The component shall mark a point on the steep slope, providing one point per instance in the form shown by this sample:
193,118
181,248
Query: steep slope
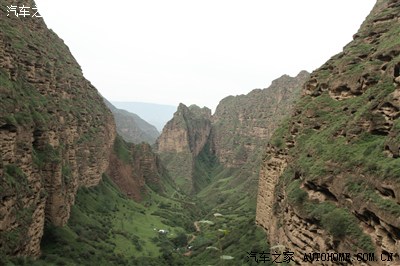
135,168
243,124
156,114
241,128
329,181
107,228
218,159
55,132
181,140
193,143
131,127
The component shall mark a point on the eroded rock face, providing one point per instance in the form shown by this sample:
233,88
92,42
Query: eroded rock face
236,134
242,125
329,181
141,168
182,139
55,132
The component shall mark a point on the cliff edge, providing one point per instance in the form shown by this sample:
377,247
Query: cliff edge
55,132
329,179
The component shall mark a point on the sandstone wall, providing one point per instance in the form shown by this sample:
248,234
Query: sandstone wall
181,140
242,125
338,152
55,132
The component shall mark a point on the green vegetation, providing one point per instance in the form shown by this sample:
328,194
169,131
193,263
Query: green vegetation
339,222
107,228
205,167
334,143
296,195
122,149
364,191
13,179
231,235
179,166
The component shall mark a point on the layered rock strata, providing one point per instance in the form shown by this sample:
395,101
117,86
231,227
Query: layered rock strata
235,135
55,132
137,171
329,180
242,125
181,140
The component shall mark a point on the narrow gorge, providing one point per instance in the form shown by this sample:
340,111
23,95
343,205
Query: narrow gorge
309,164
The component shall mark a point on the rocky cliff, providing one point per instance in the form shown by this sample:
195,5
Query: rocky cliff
329,180
181,140
242,125
133,168
55,132
235,135
131,127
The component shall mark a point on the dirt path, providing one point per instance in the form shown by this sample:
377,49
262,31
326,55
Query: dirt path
198,230
196,224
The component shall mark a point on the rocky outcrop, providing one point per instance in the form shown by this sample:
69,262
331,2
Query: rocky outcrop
242,125
329,180
131,127
188,130
181,140
55,132
235,135
133,168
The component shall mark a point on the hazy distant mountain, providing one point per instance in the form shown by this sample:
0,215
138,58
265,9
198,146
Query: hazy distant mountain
131,127
156,114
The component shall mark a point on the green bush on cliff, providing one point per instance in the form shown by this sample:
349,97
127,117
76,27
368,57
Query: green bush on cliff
121,148
340,223
296,195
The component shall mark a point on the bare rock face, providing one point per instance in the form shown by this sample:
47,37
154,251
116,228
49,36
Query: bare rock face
138,168
236,134
242,125
55,132
187,131
182,139
329,180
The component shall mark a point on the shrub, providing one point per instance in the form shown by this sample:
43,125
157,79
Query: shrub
296,195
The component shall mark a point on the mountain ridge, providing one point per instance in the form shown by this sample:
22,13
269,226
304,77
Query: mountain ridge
156,114
132,127
233,135
329,176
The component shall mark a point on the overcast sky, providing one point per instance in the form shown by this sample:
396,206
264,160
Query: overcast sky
199,51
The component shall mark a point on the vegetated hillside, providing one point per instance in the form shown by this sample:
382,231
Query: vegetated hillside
241,128
181,141
55,132
156,114
329,180
118,222
108,227
193,144
225,182
131,127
